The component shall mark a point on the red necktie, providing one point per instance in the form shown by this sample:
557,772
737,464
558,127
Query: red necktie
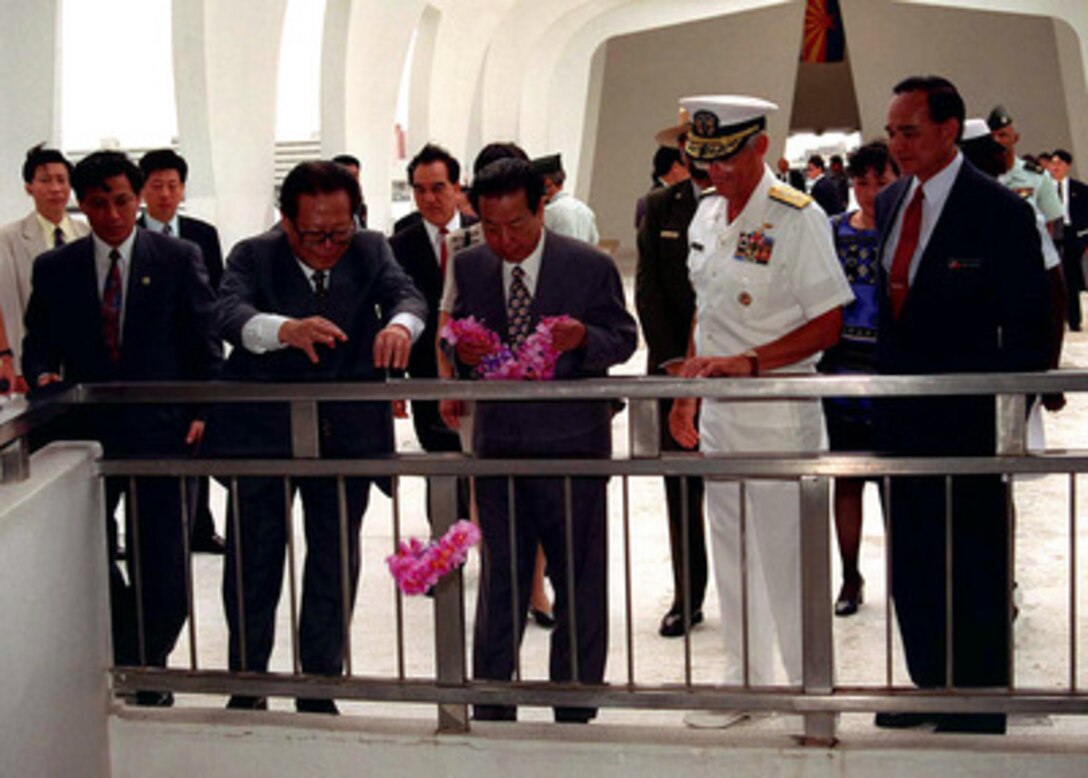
443,250
899,280
111,308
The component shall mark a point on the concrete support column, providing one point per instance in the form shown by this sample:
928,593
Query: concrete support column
29,92
225,60
365,45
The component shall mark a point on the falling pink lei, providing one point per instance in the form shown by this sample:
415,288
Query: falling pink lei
417,566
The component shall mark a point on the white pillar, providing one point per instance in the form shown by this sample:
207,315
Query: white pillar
225,64
366,42
29,93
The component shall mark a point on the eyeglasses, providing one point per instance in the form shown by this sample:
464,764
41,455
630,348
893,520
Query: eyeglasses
340,237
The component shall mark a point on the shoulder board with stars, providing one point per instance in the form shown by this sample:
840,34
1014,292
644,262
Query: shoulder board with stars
789,196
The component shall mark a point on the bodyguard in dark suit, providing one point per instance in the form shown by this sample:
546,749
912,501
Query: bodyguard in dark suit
125,304
520,264
666,304
422,251
963,290
312,300
165,173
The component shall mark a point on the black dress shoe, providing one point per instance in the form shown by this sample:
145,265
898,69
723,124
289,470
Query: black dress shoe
209,544
542,618
243,702
311,705
672,623
155,699
905,720
972,723
851,595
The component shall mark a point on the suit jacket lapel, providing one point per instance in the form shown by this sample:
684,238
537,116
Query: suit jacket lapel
88,301
141,279
32,234
545,285
939,239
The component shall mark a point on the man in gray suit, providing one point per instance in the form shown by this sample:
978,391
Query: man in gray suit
314,299
522,274
47,178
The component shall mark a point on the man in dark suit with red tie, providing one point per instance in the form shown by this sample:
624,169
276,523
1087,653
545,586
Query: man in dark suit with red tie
963,289
165,173
422,250
125,304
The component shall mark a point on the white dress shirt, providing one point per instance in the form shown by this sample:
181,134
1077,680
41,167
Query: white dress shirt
936,191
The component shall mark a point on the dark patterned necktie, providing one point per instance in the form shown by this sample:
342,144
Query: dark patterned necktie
166,230
58,237
320,290
517,309
111,308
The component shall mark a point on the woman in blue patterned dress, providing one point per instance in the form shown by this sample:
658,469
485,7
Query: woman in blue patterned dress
849,419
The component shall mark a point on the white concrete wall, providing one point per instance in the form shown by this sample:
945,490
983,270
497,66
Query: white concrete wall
225,58
228,745
29,69
645,74
55,616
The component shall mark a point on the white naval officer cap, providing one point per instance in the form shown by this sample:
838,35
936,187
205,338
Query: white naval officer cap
975,128
720,124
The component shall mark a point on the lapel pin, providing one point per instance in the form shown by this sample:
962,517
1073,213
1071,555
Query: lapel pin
145,280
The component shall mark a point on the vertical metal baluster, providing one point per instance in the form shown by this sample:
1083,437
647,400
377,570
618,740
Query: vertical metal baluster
1010,583
743,496
888,636
292,580
948,636
515,593
398,597
345,573
236,519
572,610
187,555
449,612
137,583
627,595
685,573
818,644
1073,685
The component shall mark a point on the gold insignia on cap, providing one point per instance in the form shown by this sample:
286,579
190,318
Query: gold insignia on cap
719,147
789,196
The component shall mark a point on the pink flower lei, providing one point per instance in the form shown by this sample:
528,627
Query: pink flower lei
418,566
534,360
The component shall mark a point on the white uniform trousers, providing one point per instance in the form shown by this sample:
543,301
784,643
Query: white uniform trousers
772,532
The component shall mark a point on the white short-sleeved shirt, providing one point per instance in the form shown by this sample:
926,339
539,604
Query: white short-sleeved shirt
769,272
569,216
1036,187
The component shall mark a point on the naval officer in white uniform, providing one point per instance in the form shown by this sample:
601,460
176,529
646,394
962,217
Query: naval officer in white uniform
769,293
